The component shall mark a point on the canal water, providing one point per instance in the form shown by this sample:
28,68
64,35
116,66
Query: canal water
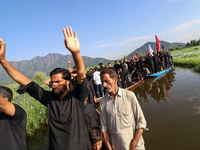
171,106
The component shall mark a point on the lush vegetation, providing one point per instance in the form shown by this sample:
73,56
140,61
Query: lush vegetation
193,43
187,57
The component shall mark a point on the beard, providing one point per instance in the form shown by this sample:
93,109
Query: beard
60,91
109,89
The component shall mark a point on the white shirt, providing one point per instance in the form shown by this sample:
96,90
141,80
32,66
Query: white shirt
121,117
96,77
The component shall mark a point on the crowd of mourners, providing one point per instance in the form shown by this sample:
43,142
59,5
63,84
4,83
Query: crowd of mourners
131,70
74,122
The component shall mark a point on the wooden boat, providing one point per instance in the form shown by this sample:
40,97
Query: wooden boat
134,85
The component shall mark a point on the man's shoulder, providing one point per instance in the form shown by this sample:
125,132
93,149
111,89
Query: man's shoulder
126,93
125,90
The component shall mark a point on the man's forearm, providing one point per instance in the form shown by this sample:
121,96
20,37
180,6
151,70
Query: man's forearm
107,140
80,67
137,136
14,73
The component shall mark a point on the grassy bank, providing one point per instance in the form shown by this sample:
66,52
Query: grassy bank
187,57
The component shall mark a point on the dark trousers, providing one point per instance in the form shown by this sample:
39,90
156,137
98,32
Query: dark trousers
99,90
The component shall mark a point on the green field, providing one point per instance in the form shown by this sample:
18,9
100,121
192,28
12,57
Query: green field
187,57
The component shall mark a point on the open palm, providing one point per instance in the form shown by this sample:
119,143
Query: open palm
71,42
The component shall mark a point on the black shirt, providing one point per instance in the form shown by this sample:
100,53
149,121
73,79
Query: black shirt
90,115
13,130
67,127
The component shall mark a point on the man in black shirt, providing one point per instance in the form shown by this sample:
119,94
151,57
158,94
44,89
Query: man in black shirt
12,122
67,128
116,66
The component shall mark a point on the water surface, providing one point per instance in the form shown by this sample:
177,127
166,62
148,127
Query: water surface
171,106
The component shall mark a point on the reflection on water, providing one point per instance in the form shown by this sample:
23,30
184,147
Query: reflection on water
158,89
171,106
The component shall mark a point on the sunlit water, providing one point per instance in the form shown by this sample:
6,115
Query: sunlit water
171,106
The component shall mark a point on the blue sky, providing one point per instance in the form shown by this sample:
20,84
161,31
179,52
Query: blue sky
105,28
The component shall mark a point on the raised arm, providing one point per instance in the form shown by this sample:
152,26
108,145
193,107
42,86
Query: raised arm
12,72
73,45
6,106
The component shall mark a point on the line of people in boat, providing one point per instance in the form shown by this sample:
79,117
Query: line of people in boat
132,70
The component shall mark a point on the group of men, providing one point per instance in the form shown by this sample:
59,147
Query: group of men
121,118
136,69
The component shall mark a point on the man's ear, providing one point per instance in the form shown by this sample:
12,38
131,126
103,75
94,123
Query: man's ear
6,98
116,79
67,82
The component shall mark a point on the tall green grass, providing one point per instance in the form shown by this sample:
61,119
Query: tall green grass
187,57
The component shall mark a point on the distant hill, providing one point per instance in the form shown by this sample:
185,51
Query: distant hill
45,64
145,48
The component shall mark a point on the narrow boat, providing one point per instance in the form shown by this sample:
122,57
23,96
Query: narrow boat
160,73
134,85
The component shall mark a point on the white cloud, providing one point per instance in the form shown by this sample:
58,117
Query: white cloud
99,41
196,2
125,41
114,55
129,40
182,26
106,45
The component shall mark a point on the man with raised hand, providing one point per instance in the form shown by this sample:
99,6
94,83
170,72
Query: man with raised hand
12,122
122,120
67,128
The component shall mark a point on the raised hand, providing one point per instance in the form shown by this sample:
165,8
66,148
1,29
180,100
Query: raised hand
2,49
71,41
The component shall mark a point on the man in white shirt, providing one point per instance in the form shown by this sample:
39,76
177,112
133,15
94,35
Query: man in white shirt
122,120
97,83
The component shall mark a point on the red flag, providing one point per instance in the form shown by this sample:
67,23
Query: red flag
134,55
157,43
167,93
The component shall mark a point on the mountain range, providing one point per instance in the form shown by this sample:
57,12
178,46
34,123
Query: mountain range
46,64
145,48
51,61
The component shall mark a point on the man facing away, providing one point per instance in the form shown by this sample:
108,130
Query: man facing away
97,83
122,120
12,122
67,128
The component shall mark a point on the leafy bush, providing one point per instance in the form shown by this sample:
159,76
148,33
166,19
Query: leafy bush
39,76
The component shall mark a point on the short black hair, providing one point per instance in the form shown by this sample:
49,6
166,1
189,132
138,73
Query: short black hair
96,134
66,73
6,92
95,68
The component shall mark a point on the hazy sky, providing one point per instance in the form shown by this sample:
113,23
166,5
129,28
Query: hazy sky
105,28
